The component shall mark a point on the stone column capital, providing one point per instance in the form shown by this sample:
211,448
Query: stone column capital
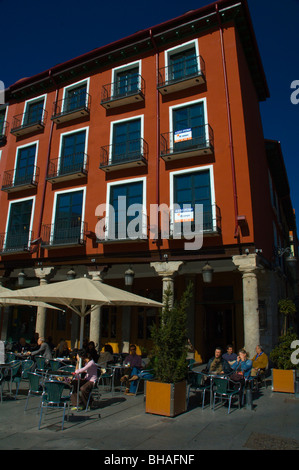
43,273
247,264
98,274
167,269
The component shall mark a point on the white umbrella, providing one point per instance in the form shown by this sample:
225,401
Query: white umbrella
5,302
81,295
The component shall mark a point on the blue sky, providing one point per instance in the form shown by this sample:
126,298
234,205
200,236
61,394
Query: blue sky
38,35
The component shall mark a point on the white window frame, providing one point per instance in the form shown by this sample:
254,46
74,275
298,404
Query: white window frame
36,142
57,193
144,212
112,124
31,219
122,68
62,135
185,105
28,102
73,86
173,174
180,48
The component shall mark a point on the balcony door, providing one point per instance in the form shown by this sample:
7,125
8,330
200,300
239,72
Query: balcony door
19,225
25,165
127,82
188,127
34,112
133,194
75,98
72,153
182,65
68,218
126,141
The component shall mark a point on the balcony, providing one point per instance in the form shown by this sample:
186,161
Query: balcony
132,153
115,94
71,108
3,132
185,74
19,179
187,143
67,168
125,230
15,242
28,123
65,233
211,223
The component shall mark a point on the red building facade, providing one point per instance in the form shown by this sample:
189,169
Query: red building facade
168,117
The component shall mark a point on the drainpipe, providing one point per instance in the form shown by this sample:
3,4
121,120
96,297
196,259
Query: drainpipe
231,147
158,134
47,164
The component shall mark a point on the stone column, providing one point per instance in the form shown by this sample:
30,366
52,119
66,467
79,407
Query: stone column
95,314
248,266
167,270
41,315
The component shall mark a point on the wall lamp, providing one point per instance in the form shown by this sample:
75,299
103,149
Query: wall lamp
70,275
291,259
207,273
129,277
21,278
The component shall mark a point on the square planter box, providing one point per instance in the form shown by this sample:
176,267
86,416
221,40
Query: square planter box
165,399
283,380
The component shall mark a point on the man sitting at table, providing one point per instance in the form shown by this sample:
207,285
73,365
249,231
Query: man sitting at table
43,350
218,365
133,365
22,346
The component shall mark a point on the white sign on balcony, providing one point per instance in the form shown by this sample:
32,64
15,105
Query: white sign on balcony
181,136
184,215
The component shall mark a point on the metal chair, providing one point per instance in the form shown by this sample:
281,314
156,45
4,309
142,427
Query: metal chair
53,397
199,382
10,356
41,366
1,384
14,375
35,386
69,369
27,366
55,364
227,389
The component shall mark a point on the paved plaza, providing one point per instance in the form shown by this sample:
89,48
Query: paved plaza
119,423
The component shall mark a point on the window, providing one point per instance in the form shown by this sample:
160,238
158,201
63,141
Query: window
188,122
182,62
126,140
72,152
191,187
2,120
19,225
34,111
75,97
25,164
126,210
126,80
68,220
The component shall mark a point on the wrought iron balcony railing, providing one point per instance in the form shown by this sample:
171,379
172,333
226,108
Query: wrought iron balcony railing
190,71
122,230
20,178
187,142
68,167
67,232
211,223
131,153
72,107
16,241
121,93
29,122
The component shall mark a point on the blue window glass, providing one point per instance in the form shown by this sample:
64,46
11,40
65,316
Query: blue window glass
189,118
2,115
127,82
75,98
195,188
68,217
72,153
183,65
25,165
34,113
126,141
18,225
133,193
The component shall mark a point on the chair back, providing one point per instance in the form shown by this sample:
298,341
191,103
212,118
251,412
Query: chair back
15,367
53,391
34,382
10,357
221,384
68,369
40,362
26,367
55,364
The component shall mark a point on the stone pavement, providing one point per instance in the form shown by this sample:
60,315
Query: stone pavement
119,423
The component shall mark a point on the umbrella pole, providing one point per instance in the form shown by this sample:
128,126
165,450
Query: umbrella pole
81,331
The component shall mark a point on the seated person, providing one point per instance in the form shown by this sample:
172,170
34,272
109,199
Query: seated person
43,350
62,349
259,361
217,365
133,365
91,349
22,346
105,356
229,356
86,383
242,364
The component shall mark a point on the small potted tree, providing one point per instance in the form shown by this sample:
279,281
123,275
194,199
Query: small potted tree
166,394
284,373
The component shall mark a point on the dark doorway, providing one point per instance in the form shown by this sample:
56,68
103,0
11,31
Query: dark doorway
219,327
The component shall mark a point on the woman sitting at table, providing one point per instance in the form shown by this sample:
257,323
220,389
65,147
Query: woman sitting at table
243,365
85,384
105,356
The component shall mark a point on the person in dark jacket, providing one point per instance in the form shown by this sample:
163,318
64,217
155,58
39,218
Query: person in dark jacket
218,365
43,349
